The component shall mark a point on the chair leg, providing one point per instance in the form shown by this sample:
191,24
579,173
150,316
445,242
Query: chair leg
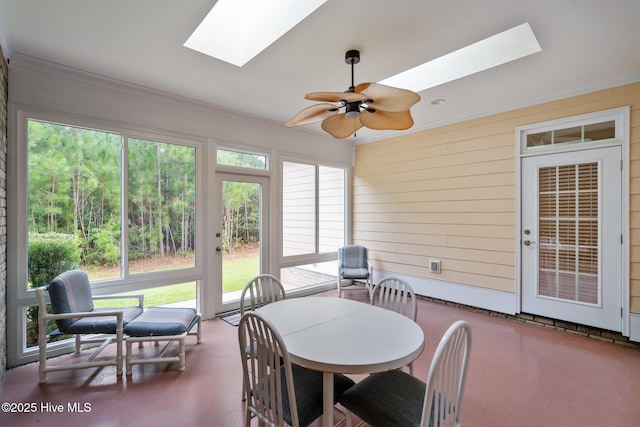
78,344
181,354
119,339
42,345
128,357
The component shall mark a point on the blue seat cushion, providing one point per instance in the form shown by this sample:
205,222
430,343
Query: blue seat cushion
102,324
387,399
307,384
355,273
162,321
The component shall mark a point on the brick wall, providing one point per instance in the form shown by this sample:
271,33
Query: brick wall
545,322
4,89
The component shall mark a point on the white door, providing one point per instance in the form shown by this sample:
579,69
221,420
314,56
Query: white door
240,236
572,237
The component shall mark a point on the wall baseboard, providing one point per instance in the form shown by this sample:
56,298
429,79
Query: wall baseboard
634,327
504,304
488,299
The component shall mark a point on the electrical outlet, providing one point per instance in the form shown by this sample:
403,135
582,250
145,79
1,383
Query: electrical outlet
434,266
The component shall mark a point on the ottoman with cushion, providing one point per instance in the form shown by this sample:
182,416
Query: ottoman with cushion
168,324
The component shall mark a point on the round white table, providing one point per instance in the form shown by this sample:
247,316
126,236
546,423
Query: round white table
336,335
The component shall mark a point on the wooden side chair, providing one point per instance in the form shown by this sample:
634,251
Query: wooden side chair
261,290
277,391
393,293
395,398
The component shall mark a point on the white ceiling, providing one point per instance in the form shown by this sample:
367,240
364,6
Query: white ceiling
586,45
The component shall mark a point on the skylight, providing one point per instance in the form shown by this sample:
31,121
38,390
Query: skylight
501,48
235,31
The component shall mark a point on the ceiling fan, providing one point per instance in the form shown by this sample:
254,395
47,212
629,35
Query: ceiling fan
371,105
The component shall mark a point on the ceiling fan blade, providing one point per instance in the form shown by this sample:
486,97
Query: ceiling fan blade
387,98
384,120
313,114
340,126
335,96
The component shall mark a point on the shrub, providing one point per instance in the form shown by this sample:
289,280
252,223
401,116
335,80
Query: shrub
49,255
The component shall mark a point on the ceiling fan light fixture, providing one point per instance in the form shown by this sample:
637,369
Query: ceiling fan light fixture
352,109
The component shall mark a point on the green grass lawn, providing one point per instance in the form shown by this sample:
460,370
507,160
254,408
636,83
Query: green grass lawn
236,274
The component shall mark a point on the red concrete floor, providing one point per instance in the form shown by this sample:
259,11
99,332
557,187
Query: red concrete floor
519,375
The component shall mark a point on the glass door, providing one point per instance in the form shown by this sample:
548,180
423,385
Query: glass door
241,234
571,237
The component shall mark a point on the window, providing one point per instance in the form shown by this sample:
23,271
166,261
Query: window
298,209
85,211
241,159
313,222
590,128
161,214
76,197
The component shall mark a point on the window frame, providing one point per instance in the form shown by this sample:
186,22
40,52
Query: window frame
19,297
316,256
616,115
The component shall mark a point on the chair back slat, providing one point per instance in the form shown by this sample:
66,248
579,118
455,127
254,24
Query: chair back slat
395,294
261,290
447,376
263,377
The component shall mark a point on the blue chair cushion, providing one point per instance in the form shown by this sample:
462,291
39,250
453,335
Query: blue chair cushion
387,399
162,321
102,324
70,292
308,390
354,262
355,273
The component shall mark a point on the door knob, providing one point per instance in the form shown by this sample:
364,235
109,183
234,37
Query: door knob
528,242
218,249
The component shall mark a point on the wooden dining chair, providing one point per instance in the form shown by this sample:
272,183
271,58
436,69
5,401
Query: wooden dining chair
395,294
278,391
261,290
395,398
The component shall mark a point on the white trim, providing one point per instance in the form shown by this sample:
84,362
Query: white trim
6,50
622,118
634,327
488,299
382,135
